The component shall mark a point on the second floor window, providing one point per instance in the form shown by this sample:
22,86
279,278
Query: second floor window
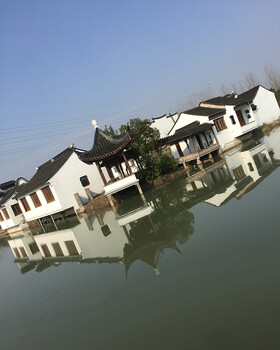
47,192
84,181
16,209
35,200
1,217
25,204
220,124
6,214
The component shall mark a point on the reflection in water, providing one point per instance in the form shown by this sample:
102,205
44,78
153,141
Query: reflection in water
146,231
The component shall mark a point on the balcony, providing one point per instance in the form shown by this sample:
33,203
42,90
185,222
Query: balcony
249,127
199,154
121,184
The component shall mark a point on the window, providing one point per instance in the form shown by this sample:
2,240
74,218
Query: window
16,209
239,173
16,253
47,192
46,250
106,230
248,113
33,247
84,181
25,204
23,252
71,248
232,119
6,214
250,166
1,217
220,124
35,200
57,249
257,161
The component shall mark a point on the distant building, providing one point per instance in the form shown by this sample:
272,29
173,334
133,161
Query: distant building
11,214
234,116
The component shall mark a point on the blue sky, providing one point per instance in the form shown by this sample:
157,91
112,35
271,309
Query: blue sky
65,62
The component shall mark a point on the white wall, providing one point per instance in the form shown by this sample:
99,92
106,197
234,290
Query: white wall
164,124
24,241
14,220
267,107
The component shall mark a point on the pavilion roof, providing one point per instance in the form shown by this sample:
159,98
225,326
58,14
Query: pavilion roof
104,146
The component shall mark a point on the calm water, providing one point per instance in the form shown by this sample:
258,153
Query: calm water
196,269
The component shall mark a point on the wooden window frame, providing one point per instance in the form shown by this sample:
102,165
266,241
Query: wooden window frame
47,192
16,253
1,217
35,199
16,209
71,247
45,249
239,173
23,252
6,214
33,247
220,124
25,204
57,248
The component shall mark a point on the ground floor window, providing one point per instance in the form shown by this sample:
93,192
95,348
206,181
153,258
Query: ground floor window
35,199
239,173
25,204
47,192
16,253
84,181
16,209
57,249
46,250
23,252
71,248
6,214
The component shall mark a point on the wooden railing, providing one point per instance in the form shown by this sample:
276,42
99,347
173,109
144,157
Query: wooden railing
206,171
199,154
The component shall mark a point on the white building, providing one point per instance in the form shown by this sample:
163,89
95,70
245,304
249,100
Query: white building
53,187
11,214
234,116
164,123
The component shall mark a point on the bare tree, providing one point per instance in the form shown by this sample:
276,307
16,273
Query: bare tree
273,77
224,89
250,80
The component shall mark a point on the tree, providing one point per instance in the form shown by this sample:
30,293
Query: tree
273,77
250,80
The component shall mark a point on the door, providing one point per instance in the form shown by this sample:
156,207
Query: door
240,118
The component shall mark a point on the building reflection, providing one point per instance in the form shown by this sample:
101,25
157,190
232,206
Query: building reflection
163,221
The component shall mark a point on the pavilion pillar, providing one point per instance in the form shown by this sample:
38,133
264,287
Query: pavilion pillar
110,174
127,164
193,144
101,173
141,193
186,140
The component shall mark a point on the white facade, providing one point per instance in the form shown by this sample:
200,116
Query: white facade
267,107
23,245
63,185
164,124
15,218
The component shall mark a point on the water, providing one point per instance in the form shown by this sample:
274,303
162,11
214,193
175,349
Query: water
196,269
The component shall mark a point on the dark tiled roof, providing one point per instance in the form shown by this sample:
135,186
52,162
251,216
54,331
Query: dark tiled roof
231,100
186,131
104,146
45,172
164,115
204,111
8,184
7,195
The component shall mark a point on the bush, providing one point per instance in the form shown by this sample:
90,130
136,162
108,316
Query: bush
167,164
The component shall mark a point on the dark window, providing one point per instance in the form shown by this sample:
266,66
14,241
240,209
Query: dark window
47,192
105,230
25,204
71,248
33,247
1,217
220,124
264,158
16,253
57,249
16,209
84,181
35,200
6,214
257,161
250,165
232,119
46,250
23,252
239,173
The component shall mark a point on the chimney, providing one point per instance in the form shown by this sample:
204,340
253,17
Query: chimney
94,123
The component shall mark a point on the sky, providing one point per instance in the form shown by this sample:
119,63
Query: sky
66,62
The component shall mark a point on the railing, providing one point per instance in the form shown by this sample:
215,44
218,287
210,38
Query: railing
206,171
199,154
